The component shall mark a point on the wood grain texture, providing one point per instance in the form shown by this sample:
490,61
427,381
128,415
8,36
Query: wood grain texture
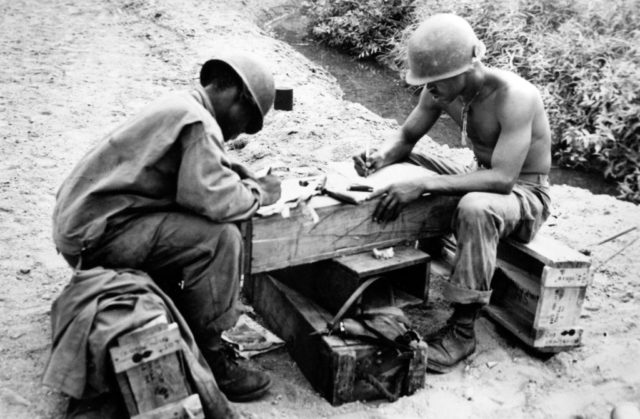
176,410
149,367
342,229
364,264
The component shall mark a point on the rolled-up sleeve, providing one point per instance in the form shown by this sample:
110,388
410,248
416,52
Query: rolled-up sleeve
206,183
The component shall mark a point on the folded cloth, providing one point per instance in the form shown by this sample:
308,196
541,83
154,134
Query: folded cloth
93,310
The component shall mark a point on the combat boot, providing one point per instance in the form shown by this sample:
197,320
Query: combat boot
237,383
454,342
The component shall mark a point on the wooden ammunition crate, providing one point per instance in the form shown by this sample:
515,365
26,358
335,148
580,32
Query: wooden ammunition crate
151,375
538,291
341,370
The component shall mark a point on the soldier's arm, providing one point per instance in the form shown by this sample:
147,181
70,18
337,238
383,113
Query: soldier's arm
400,143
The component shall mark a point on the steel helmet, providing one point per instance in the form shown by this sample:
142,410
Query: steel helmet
443,46
256,77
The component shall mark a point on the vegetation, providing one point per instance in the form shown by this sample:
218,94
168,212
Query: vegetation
583,55
365,28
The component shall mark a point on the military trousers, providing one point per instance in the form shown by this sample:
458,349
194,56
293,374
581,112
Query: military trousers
195,261
479,220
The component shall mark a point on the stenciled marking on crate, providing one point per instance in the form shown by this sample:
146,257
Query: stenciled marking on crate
565,277
558,337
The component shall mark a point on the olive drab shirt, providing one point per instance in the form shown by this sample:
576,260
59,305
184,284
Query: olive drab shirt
170,157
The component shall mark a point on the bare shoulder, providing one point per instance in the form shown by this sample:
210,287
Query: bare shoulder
514,94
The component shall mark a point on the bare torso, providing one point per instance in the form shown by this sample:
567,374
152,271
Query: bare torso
483,126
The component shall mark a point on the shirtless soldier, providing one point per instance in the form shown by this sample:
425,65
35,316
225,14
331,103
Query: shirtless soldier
504,194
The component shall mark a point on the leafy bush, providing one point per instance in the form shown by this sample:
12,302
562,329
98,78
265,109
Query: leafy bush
583,55
363,28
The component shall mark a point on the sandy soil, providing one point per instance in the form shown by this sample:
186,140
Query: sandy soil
70,73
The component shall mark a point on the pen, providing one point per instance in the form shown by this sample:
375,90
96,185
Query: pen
360,188
366,158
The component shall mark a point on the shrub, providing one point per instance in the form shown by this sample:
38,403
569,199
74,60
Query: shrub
583,55
363,28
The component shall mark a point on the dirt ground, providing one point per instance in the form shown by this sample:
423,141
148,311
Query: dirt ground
70,71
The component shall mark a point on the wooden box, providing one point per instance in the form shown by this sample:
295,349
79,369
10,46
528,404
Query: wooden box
538,292
151,375
405,278
341,370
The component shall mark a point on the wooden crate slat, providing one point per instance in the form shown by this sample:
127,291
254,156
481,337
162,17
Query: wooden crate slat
364,264
176,410
551,252
559,307
154,346
149,369
555,340
566,277
158,382
342,229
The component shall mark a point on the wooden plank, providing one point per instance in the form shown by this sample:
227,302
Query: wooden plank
246,230
158,382
551,252
187,408
127,393
556,340
543,340
566,277
342,229
364,264
276,304
158,324
342,367
152,347
559,307
148,368
415,379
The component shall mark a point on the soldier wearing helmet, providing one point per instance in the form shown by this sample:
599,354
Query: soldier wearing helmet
160,194
504,193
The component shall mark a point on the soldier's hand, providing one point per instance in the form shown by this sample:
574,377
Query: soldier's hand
271,189
367,164
394,198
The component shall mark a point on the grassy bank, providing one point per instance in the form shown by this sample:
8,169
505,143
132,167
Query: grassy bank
583,55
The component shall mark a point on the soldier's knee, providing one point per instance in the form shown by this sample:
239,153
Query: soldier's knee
472,208
230,235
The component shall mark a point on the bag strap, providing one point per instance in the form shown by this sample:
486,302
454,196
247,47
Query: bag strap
352,299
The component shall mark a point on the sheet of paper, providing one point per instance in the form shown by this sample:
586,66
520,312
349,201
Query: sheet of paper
340,176
250,338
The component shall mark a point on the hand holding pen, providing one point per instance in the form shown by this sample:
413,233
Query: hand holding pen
367,162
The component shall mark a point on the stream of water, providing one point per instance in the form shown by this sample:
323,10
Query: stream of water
380,90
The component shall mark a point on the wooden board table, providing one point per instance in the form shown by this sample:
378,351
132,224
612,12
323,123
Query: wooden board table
275,242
